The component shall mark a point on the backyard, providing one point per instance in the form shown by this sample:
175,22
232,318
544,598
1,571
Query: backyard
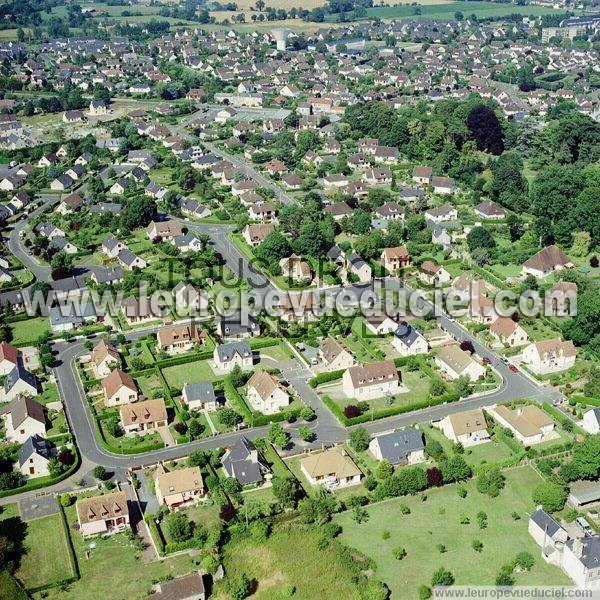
437,521
115,556
191,372
28,332
44,538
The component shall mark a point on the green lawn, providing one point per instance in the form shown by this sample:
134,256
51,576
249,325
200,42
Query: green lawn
505,271
28,332
290,559
278,352
436,521
179,375
115,560
43,538
49,394
148,383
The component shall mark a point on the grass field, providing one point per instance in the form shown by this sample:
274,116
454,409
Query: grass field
436,521
42,538
114,559
481,9
179,375
290,558
29,331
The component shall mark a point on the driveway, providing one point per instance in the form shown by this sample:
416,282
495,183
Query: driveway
42,505
138,525
148,501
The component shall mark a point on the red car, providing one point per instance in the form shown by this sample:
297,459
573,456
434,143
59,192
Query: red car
513,368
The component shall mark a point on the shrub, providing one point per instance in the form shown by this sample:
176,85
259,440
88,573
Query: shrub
477,545
399,553
178,527
99,472
441,548
551,496
66,500
524,560
442,577
351,411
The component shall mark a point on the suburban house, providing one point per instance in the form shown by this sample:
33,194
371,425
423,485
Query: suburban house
529,424
374,380
443,185
104,358
380,323
394,259
358,267
103,515
178,488
591,420
111,246
266,394
23,418
187,587
468,428
548,534
119,388
295,268
143,416
488,209
408,340
446,212
227,356
255,233
547,260
9,357
129,260
19,381
332,468
334,355
549,356
233,328
422,175
199,396
136,312
164,230
176,339
244,462
34,455
454,362
404,447
508,332
190,297
433,274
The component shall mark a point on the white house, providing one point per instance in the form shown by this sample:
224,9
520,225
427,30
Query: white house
454,362
227,356
404,447
549,356
529,424
34,456
119,388
23,418
508,332
409,341
334,355
591,420
266,394
468,428
332,468
103,515
374,380
199,396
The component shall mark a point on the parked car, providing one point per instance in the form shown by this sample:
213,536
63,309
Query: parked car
513,368
585,526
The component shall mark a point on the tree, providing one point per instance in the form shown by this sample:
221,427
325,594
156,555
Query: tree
505,577
442,577
485,129
462,386
228,417
437,387
178,526
586,457
239,587
384,469
491,482
435,477
195,428
359,439
273,248
236,376
285,490
455,468
305,433
277,436
480,237
399,553
551,496
307,413
508,185
99,472
138,212
524,560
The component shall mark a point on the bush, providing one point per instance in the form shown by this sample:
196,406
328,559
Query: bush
99,472
524,560
477,545
442,577
178,527
351,411
551,496
66,500
399,553
359,439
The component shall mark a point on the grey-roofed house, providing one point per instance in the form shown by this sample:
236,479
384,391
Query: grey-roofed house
399,447
585,495
19,381
227,356
193,208
581,561
408,340
107,276
63,318
232,327
34,456
244,462
200,395
548,534
105,208
130,260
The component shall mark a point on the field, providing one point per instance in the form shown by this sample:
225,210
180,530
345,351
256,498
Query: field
481,9
29,331
113,559
43,538
290,559
436,521
179,375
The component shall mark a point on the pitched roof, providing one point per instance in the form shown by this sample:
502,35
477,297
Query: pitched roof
396,446
334,461
544,521
148,411
99,508
188,586
527,420
555,347
178,481
548,259
8,352
168,336
35,445
117,378
503,327
263,383
331,349
397,252
103,350
200,390
456,358
467,421
21,408
19,373
374,373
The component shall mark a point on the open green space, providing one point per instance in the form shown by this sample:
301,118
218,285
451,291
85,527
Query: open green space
149,383
29,331
483,10
114,559
437,521
290,559
192,372
42,538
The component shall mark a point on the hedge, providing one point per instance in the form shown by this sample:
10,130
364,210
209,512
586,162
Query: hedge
258,343
562,419
502,436
387,412
155,534
182,360
573,400
325,377
490,277
40,482
145,447
179,546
